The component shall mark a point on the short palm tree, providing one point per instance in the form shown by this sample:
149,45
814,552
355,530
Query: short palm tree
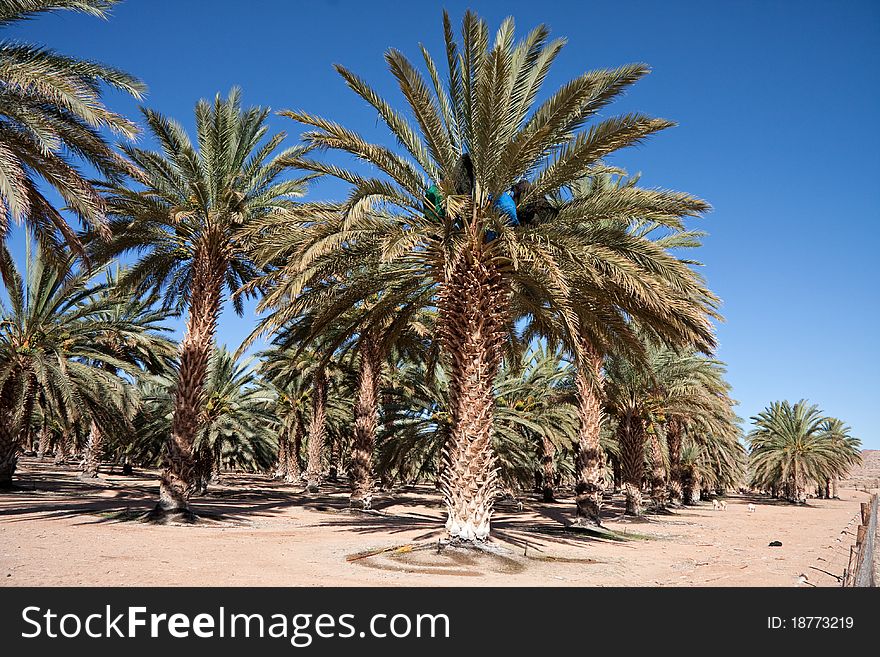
54,359
365,314
791,448
662,393
185,211
148,349
52,114
238,428
239,419
847,445
436,210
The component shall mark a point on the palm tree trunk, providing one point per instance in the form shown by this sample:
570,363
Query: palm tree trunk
283,452
333,458
317,432
589,461
631,434
8,454
291,459
43,443
94,449
473,313
8,439
673,442
548,469
834,484
62,448
296,447
366,417
206,296
658,469
687,486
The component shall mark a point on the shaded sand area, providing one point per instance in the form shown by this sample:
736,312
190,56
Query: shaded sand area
254,531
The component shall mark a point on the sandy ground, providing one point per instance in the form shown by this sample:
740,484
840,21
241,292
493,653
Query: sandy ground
57,530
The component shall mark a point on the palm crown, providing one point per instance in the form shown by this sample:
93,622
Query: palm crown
52,115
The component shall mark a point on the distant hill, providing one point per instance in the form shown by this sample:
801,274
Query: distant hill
866,475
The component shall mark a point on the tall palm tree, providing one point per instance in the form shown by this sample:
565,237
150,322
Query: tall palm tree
53,357
790,448
436,210
52,113
186,210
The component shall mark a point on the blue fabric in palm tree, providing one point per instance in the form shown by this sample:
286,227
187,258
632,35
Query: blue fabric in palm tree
507,206
435,198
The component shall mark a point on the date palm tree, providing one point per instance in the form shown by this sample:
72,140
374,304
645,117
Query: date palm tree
849,447
239,419
52,114
790,448
54,361
238,427
435,209
605,302
368,312
185,210
148,349
670,389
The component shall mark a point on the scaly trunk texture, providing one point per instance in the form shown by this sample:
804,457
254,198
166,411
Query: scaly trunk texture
658,470
473,313
283,453
385,481
8,439
94,449
673,442
834,483
317,432
366,419
291,459
589,461
203,468
206,296
43,443
616,475
687,486
333,459
547,474
631,434
62,448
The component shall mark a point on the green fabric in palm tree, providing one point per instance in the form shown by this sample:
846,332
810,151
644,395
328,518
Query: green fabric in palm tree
434,209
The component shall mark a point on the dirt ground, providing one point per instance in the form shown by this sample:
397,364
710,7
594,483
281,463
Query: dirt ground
56,530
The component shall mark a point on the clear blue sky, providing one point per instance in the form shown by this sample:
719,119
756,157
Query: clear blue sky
776,103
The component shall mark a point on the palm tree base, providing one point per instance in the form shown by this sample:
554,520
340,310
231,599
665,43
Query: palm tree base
160,516
480,545
93,479
585,522
360,503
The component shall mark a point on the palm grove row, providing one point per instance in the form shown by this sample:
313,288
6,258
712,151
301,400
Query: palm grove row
490,307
